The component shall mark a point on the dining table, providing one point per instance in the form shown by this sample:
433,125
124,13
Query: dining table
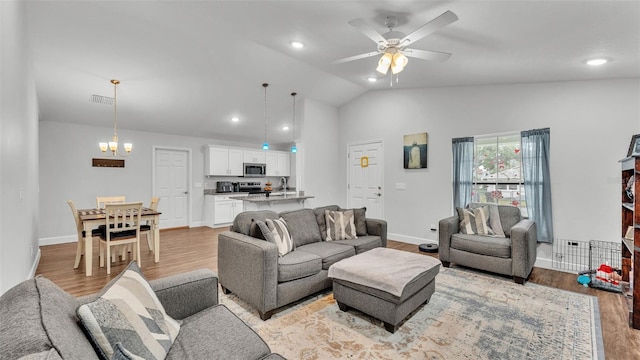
92,218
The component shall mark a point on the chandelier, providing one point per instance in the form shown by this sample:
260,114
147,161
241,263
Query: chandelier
113,144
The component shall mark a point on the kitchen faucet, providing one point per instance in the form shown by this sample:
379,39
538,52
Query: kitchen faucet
283,184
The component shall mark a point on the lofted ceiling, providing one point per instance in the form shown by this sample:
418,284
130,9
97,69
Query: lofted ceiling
187,67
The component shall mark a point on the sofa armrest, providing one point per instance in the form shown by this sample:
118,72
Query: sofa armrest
524,245
377,227
188,293
248,267
446,228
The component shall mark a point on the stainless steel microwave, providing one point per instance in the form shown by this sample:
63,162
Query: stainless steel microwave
254,170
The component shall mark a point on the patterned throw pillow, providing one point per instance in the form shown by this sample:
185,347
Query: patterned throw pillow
474,221
340,225
129,312
360,220
280,235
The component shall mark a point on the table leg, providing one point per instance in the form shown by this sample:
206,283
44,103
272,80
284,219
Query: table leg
88,250
156,238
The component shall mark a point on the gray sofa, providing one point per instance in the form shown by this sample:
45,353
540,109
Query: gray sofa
512,255
251,268
38,321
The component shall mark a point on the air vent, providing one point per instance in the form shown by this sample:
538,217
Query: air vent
99,99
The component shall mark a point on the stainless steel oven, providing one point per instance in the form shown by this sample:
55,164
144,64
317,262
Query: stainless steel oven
254,170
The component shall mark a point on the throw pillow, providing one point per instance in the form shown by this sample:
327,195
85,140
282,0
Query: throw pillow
474,221
260,230
360,220
120,353
280,235
340,225
128,311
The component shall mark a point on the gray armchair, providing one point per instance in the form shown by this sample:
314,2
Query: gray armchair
513,255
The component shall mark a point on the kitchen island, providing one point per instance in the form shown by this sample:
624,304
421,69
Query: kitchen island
276,201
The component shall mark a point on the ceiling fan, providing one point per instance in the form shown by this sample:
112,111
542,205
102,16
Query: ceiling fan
393,45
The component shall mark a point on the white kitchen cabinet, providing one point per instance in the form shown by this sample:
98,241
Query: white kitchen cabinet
223,161
222,210
278,163
254,156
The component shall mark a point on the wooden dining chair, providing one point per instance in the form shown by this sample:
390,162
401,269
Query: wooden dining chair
80,249
146,228
101,201
122,228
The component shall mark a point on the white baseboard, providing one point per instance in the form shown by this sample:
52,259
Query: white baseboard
410,239
58,240
34,266
197,224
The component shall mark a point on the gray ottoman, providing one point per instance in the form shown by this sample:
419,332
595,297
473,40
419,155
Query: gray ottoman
385,283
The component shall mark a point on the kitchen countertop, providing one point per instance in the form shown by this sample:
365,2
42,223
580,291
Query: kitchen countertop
272,197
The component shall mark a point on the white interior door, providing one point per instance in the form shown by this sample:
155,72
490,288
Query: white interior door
366,178
172,186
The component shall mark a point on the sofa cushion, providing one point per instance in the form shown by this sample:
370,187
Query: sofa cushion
242,222
360,218
362,243
483,245
340,225
298,264
128,311
37,316
320,218
330,252
280,236
217,333
303,226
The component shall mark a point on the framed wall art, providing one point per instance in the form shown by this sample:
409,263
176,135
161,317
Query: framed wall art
415,151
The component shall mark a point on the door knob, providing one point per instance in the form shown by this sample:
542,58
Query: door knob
379,194
186,192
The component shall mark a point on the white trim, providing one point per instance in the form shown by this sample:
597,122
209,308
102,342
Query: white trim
34,267
58,240
410,239
189,170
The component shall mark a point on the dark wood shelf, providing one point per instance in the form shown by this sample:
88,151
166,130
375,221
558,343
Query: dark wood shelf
630,217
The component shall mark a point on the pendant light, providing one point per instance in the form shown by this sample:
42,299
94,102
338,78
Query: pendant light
265,145
294,149
113,144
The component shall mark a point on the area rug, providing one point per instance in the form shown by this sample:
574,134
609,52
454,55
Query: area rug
470,316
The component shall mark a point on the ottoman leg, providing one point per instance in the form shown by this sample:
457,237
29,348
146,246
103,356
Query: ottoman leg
390,328
342,307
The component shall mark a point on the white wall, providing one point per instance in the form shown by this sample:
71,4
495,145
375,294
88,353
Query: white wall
18,151
591,125
320,155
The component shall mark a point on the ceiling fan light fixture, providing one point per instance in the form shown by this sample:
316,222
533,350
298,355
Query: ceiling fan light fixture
384,63
398,63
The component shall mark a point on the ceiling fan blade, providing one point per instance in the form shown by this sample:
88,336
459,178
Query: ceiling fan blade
427,54
356,57
368,30
441,21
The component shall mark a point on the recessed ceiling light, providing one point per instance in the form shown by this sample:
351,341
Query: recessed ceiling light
597,62
235,119
297,44
372,79
285,128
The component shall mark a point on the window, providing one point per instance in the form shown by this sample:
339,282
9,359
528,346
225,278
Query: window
497,172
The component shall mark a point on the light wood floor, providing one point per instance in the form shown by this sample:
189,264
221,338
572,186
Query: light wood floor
188,249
